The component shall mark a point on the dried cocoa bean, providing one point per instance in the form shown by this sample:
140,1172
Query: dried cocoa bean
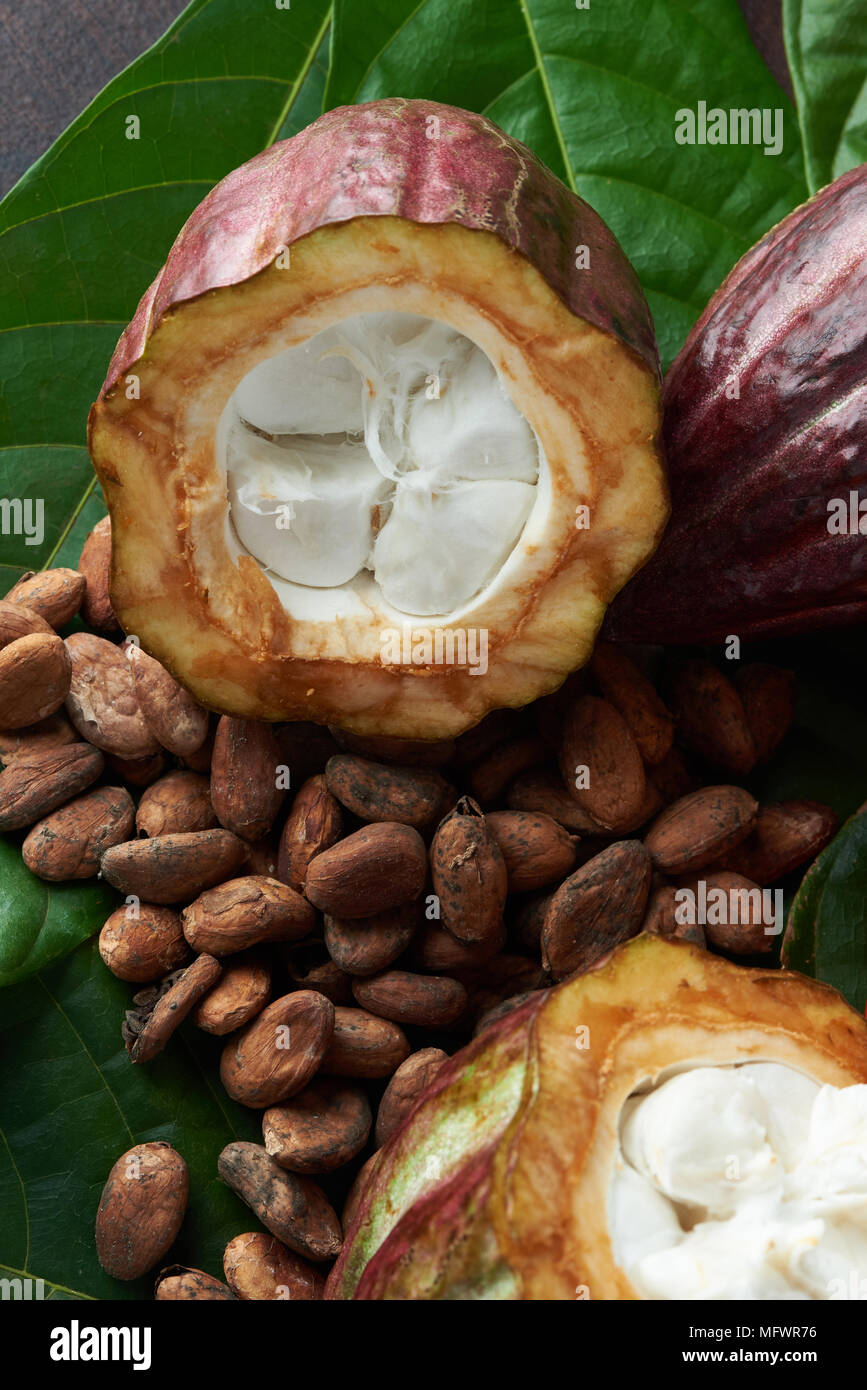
54,595
292,1208
469,875
700,828
768,697
95,566
319,1130
239,995
277,1054
437,952
363,1045
662,917
710,716
597,747
536,849
366,945
259,1268
245,912
38,782
142,942
376,868
244,777
409,1082
786,835
597,908
173,868
178,1282
629,691
101,702
314,824
428,1001
542,790
160,1010
376,792
141,1209
734,913
176,804
54,732
172,715
35,674
69,843
17,621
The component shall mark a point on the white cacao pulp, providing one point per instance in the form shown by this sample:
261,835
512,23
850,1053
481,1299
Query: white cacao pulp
386,443
742,1182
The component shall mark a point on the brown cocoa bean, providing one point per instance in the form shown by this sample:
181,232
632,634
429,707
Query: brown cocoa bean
597,748
319,1130
542,790
435,951
628,689
409,1082
141,1209
259,1268
710,717
245,912
53,732
101,702
292,1208
35,674
377,792
700,828
239,995
490,776
160,1010
734,913
470,878
374,869
17,621
173,868
786,835
180,1283
174,718
314,824
69,843
142,942
536,849
95,566
662,915
277,1054
245,771
363,1045
366,945
768,697
38,782
54,595
428,1001
598,907
176,804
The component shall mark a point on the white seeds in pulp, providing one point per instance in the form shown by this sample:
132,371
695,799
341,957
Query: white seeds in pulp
392,446
742,1182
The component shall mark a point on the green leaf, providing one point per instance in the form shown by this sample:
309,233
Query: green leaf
826,44
71,1102
43,921
826,932
595,93
87,228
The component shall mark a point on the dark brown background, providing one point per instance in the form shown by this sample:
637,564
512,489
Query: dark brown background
55,55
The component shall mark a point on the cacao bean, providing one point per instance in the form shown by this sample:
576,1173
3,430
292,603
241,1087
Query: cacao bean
542,790
141,1209
597,738
629,691
408,1083
319,1130
54,595
277,1054
662,917
259,1268
69,843
536,849
245,912
415,752
363,1045
490,776
244,772
429,1001
95,566
178,1282
469,875
734,917
374,792
598,907
38,782
17,621
239,995
292,1208
786,835
54,732
314,824
374,869
101,702
35,674
768,697
172,715
700,828
710,716
173,868
366,945
142,942
162,1009
176,804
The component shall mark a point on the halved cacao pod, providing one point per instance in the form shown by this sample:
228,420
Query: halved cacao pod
385,422
766,441
497,1184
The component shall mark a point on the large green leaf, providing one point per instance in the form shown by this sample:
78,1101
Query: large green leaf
71,1103
826,932
87,228
595,92
40,922
826,44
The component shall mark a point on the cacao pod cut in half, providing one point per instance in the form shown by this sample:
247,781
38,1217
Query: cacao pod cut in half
617,1136
391,446
766,442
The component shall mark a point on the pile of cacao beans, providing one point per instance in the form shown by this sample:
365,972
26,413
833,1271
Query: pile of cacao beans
346,912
